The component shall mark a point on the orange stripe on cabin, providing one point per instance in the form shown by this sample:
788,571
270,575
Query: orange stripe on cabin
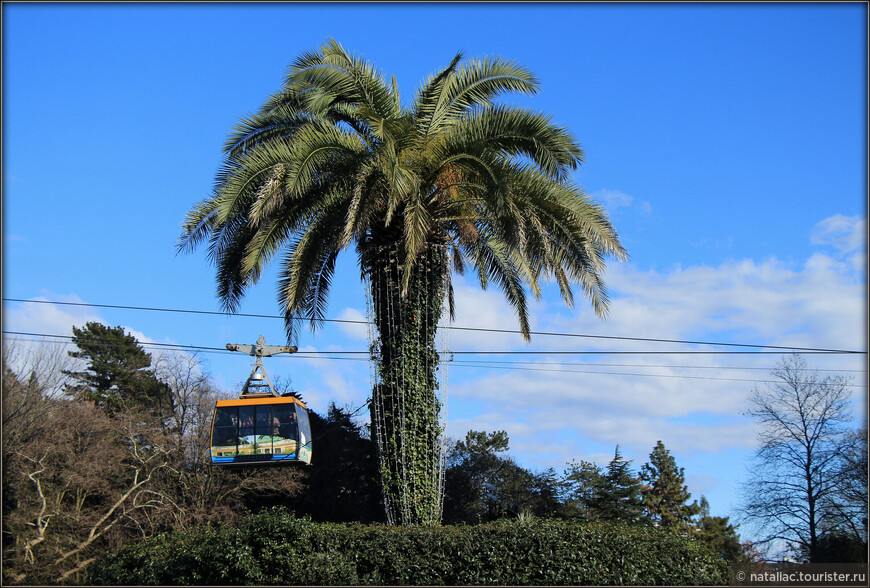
260,401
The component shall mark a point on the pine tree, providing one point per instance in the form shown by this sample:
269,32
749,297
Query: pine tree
617,497
719,534
581,482
665,494
118,373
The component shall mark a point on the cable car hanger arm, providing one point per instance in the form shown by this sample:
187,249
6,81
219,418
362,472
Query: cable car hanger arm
261,349
254,386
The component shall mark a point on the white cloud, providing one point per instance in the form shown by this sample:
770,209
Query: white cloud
701,485
322,380
820,304
41,318
356,329
49,319
484,310
614,199
844,233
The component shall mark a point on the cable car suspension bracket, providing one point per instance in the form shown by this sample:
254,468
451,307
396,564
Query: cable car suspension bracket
255,387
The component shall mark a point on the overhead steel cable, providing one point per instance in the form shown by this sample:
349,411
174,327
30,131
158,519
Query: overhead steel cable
576,371
789,349
494,364
648,365
177,346
492,352
313,355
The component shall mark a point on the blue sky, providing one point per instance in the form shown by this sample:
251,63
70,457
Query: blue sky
728,142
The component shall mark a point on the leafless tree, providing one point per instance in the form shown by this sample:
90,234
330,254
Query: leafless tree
79,481
81,484
204,492
32,376
795,474
189,387
847,507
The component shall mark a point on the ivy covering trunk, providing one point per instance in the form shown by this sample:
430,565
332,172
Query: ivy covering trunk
405,408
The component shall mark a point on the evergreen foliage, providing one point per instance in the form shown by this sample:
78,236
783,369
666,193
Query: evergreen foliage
276,548
118,373
719,535
617,495
341,484
581,484
838,546
80,480
482,484
81,477
664,492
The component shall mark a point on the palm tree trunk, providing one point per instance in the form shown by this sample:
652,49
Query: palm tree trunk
405,407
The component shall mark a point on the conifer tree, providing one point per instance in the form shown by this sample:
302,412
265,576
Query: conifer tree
581,482
719,534
618,495
118,373
664,492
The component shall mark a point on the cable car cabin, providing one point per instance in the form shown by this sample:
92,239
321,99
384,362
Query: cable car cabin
269,430
260,427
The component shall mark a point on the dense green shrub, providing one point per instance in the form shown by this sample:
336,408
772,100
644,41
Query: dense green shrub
275,547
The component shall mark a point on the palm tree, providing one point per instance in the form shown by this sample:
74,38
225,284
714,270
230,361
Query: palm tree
335,160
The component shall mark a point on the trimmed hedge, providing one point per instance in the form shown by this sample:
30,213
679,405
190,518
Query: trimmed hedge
275,547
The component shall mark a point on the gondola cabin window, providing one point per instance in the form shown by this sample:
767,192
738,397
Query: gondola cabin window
260,430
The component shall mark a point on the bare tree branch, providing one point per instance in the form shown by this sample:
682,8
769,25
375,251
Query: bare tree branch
802,420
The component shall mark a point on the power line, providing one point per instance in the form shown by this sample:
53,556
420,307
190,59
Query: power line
653,340
456,328
173,346
329,355
646,365
475,364
571,371
480,352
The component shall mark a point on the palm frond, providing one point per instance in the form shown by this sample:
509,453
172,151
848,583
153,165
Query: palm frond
231,283
308,267
367,199
197,226
333,75
280,117
418,223
521,134
429,93
473,85
496,263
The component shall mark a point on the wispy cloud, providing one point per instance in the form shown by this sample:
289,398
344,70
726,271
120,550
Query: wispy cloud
846,234
614,199
561,407
59,319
